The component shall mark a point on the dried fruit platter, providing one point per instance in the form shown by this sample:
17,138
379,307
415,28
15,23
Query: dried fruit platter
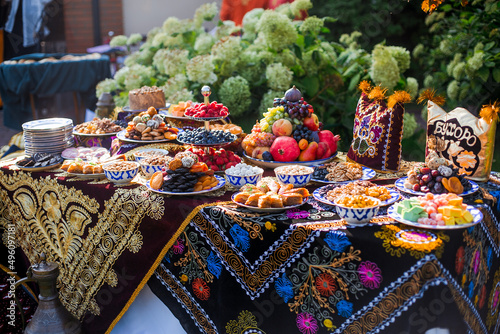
221,179
121,135
401,181
368,174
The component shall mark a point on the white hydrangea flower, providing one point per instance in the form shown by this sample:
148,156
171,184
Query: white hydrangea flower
277,30
175,84
453,90
384,69
299,5
175,61
278,77
120,40
402,56
412,86
201,69
182,95
204,43
250,20
106,86
134,39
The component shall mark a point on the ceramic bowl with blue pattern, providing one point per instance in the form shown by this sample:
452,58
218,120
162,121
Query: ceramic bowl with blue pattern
121,171
239,181
149,152
297,175
357,216
149,170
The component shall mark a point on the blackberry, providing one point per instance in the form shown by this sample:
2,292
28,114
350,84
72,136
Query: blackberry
319,173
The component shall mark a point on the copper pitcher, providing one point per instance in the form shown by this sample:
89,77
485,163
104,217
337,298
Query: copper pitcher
50,316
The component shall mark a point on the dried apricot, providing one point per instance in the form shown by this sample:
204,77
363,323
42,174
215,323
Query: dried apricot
169,135
455,185
156,180
174,164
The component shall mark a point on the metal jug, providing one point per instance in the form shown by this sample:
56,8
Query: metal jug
50,316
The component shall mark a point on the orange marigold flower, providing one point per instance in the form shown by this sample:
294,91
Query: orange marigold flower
429,6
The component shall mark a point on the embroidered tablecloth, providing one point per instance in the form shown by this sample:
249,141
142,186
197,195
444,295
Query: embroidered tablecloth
107,239
236,271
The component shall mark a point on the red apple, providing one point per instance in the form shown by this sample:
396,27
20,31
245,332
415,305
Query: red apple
312,122
323,151
285,149
327,136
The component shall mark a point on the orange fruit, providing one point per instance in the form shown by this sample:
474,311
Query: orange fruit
303,143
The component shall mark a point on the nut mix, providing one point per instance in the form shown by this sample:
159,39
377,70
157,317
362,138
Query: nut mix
357,201
120,166
359,188
344,171
156,160
293,170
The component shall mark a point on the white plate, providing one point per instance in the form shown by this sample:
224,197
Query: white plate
222,183
273,164
368,174
320,195
47,124
106,153
399,184
257,209
478,216
121,135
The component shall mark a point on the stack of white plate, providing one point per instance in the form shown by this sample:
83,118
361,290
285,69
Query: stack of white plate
49,135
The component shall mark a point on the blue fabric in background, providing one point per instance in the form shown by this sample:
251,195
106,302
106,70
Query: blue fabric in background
17,81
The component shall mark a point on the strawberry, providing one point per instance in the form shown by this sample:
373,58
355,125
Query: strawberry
215,168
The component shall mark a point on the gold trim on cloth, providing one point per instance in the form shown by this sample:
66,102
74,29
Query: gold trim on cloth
157,262
73,231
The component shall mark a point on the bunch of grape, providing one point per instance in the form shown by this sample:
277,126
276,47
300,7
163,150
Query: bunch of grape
259,139
302,132
271,116
430,180
297,110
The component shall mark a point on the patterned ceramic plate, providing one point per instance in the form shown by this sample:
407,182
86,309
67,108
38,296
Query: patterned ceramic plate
273,164
400,186
121,135
478,216
206,119
368,174
94,134
222,183
320,195
256,209
39,169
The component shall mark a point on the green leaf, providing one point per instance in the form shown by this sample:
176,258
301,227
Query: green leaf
446,8
489,46
496,74
483,73
298,51
354,82
311,85
325,30
316,57
350,70
300,41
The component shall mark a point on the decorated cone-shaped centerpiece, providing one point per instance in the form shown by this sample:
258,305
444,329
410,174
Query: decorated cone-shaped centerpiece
464,140
378,128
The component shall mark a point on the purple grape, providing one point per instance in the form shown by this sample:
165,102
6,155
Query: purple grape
438,188
416,187
426,178
439,179
424,189
435,173
431,184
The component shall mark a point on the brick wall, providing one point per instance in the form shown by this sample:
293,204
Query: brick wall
79,32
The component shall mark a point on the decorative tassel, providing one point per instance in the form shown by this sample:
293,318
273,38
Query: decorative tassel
399,96
377,93
489,112
365,87
430,94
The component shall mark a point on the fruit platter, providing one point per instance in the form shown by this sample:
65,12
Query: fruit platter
444,211
216,159
441,180
289,132
149,127
185,175
342,172
331,192
97,127
204,137
269,196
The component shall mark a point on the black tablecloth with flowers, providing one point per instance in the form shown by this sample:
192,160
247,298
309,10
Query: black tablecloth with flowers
236,271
